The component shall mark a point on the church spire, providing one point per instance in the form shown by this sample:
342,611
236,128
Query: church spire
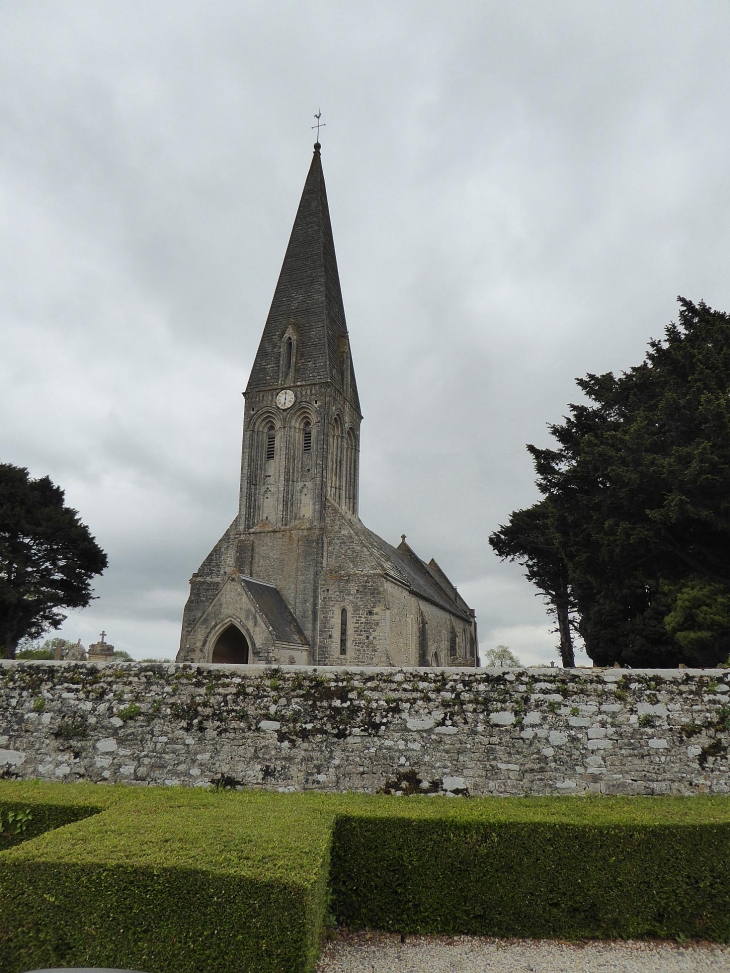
307,312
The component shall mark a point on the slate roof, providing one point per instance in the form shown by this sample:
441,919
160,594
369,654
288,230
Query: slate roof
438,573
406,566
308,294
275,610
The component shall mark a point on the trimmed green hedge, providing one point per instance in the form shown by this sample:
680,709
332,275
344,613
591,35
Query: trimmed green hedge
532,880
168,879
544,867
184,879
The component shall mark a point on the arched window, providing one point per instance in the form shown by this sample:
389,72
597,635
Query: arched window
288,355
270,442
307,439
343,632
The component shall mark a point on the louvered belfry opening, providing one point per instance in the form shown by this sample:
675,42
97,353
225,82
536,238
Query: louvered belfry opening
343,632
270,443
307,437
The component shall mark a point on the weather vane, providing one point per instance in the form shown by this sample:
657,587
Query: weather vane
319,124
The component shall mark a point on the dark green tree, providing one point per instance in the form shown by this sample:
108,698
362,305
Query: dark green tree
47,557
531,538
640,489
700,618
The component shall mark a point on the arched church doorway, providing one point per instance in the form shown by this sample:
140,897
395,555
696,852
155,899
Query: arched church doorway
231,647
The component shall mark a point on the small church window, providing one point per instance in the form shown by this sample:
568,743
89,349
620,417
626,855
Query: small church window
289,355
307,437
343,632
270,443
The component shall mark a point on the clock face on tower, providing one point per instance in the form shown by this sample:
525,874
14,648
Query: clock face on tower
285,399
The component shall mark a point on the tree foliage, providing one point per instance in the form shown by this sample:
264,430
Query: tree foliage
121,656
37,654
638,494
532,539
501,656
27,648
47,557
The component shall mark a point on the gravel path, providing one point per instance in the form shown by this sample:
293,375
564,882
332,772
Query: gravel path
380,953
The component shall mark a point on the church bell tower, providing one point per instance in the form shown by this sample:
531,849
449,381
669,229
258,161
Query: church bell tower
301,426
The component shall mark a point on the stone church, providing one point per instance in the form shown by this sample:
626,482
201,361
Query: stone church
297,578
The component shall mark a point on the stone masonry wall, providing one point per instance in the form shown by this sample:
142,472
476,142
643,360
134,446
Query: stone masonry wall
453,731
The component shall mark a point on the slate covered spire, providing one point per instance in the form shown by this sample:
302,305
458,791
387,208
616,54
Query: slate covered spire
308,299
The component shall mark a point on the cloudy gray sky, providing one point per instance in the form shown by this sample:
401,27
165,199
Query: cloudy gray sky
518,193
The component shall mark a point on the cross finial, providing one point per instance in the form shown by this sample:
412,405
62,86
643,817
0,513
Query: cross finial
318,126
103,636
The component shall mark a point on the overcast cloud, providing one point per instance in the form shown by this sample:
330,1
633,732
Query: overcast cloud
518,193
